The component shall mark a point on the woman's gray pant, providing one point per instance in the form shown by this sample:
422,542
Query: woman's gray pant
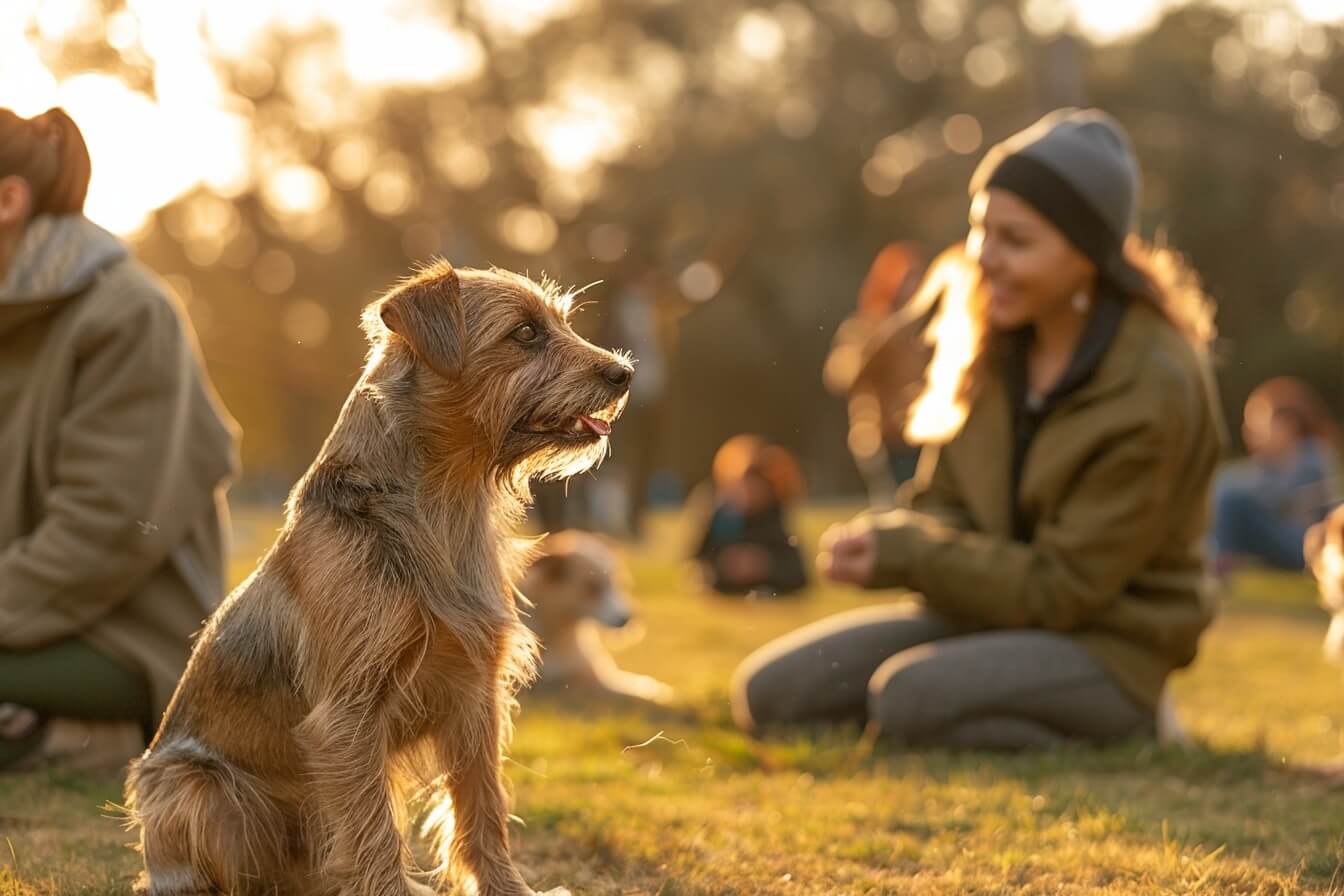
926,682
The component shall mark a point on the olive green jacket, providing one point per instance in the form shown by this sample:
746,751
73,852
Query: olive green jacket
1117,481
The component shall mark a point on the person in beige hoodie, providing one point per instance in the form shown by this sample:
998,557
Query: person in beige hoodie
115,453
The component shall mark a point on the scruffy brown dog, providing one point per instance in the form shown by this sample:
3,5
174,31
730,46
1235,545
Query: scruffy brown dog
377,648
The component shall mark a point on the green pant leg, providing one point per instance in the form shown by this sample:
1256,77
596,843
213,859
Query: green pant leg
12,751
70,678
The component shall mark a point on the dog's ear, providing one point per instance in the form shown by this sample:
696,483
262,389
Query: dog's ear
552,567
427,313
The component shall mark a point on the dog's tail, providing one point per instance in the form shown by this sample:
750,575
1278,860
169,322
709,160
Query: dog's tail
206,826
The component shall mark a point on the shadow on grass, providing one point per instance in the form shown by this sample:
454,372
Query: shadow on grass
1240,817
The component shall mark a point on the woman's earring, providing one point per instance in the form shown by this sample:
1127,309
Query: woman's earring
1081,302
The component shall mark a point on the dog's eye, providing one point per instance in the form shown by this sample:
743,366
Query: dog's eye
525,333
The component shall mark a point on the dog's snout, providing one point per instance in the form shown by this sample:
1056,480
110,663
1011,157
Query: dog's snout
618,374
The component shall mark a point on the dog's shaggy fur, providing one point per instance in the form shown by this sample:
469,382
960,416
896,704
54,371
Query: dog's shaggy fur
577,583
376,649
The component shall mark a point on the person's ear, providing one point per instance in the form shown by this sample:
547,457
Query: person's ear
16,200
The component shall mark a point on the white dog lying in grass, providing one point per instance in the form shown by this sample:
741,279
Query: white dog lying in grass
576,584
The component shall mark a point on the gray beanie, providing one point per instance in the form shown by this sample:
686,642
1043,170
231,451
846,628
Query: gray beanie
1077,168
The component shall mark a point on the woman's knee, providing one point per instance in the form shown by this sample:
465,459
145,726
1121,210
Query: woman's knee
765,687
906,696
771,685
749,694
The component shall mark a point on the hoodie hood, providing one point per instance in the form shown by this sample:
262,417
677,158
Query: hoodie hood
59,256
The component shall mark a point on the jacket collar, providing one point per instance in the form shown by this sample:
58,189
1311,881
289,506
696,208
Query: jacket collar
986,438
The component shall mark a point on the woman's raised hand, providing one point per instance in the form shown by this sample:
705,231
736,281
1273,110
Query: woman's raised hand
848,552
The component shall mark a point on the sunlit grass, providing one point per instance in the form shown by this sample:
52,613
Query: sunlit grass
705,810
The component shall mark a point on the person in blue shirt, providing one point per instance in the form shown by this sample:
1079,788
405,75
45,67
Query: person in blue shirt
745,545
1263,506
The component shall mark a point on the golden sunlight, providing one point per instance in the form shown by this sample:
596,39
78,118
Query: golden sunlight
190,131
294,190
759,36
1322,10
1106,20
528,229
1103,21
522,17
580,126
149,151
940,410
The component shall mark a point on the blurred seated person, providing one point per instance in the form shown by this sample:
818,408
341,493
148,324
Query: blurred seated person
744,542
116,453
1262,507
876,363
1049,563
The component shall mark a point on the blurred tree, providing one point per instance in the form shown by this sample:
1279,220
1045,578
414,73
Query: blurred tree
754,156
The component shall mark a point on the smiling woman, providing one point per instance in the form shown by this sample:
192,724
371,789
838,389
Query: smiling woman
1053,530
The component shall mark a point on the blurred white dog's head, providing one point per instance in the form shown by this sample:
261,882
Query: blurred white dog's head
577,576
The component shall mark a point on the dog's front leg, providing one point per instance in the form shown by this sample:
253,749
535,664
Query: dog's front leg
471,750
360,850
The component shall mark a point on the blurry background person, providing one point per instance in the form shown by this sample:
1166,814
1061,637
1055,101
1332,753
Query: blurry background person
632,325
114,455
745,541
613,499
876,364
1289,481
1054,532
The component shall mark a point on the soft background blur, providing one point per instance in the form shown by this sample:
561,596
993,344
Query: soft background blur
280,163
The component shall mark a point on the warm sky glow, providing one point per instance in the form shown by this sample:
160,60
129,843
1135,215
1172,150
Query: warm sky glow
148,151
1102,21
1322,10
582,125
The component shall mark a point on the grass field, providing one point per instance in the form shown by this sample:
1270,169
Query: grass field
705,810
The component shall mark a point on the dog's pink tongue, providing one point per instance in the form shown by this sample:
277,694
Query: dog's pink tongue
596,426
